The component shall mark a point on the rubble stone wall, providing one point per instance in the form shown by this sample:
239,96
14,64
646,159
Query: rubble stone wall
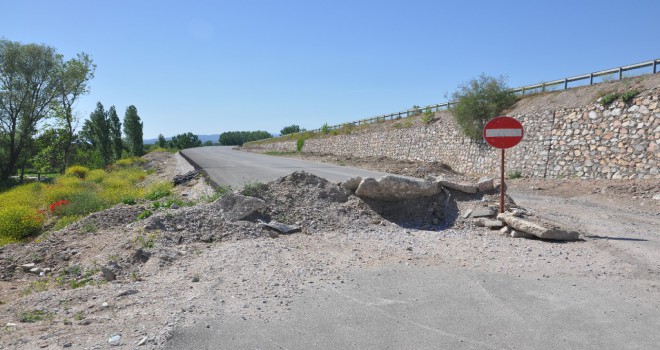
591,142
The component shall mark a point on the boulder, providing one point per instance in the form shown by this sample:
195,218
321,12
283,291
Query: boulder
486,184
393,188
235,206
537,230
484,212
458,186
352,184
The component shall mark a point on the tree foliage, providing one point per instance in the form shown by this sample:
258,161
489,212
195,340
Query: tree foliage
291,129
133,131
478,101
28,86
115,133
183,141
162,143
238,138
97,131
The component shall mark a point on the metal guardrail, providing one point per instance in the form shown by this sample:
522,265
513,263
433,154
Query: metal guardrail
531,89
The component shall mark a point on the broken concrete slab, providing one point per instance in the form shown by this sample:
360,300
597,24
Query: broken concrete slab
520,234
280,227
467,213
463,187
393,188
493,224
505,231
484,212
235,206
485,184
536,229
352,184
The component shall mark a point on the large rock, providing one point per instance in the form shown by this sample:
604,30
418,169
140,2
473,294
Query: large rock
536,229
393,188
352,184
235,207
458,186
486,184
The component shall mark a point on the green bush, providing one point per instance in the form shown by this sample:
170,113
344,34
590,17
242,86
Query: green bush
628,96
606,100
428,116
19,221
145,214
158,191
77,171
84,203
478,101
299,144
325,129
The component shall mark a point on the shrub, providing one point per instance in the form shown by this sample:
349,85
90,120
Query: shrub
347,128
65,221
299,144
158,191
84,203
478,101
77,171
18,222
325,129
145,214
428,116
253,188
516,174
628,96
606,100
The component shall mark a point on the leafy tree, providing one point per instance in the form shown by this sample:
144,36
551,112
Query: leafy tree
478,101
291,129
162,143
183,141
238,138
115,133
73,76
208,143
133,131
28,86
97,131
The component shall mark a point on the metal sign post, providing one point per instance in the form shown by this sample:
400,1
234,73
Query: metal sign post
503,132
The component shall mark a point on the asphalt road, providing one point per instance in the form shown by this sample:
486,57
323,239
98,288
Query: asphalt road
419,307
226,166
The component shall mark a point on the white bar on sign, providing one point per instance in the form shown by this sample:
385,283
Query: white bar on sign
503,132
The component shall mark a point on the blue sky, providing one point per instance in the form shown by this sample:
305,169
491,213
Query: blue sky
213,66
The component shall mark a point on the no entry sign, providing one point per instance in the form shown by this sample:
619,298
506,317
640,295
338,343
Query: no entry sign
503,132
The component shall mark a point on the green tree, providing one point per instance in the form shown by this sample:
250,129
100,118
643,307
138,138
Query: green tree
238,138
478,101
97,131
115,133
73,76
187,140
133,131
291,129
28,86
162,143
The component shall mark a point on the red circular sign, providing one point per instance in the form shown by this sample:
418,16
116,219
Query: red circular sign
503,132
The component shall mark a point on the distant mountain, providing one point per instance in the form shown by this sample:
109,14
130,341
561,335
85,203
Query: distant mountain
213,138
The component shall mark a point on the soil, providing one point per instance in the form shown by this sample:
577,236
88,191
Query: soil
137,280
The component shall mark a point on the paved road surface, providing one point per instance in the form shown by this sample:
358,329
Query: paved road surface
419,307
225,166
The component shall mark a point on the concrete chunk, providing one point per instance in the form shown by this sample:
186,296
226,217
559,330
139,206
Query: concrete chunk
235,207
393,188
537,230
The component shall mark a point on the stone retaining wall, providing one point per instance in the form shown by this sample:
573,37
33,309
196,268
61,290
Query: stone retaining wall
590,142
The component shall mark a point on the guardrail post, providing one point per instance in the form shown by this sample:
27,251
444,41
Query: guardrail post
591,78
620,73
565,84
655,66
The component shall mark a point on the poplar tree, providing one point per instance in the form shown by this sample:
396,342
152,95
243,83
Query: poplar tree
133,131
115,132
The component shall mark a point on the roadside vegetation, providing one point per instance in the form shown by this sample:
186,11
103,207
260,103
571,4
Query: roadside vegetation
27,209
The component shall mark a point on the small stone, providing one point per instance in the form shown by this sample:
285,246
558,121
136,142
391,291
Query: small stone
504,231
195,279
67,345
467,213
520,234
174,206
105,304
108,274
27,267
142,341
484,212
115,340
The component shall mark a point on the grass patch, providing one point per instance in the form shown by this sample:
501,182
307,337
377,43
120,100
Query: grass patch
34,316
252,189
607,99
